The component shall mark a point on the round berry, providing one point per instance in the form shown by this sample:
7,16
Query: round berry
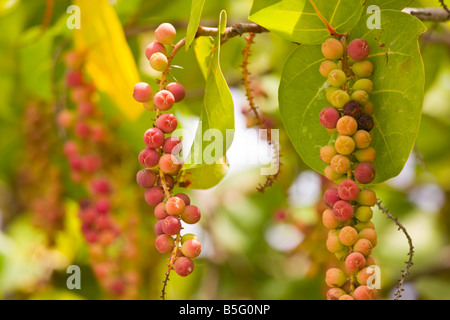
347,125
367,197
171,225
362,69
342,210
348,236
363,84
191,248
355,261
172,145
160,211
164,243
328,219
154,47
331,174
158,61
362,138
148,157
177,90
365,122
188,236
191,214
184,197
363,213
353,109
364,172
341,164
175,206
326,67
364,293
167,122
146,178
165,33
335,278
335,293
344,145
331,196
164,100
327,153
366,155
358,49
339,98
337,78
183,266
329,117
332,49
154,138
142,92
170,164
348,190
361,96
154,195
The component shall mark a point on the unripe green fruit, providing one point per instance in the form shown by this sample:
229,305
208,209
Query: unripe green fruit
367,197
363,84
362,138
340,164
362,69
363,276
368,108
337,78
363,213
335,278
348,236
327,153
158,61
339,98
329,92
361,96
330,174
326,67
344,145
188,236
333,244
366,155
363,225
332,49
341,254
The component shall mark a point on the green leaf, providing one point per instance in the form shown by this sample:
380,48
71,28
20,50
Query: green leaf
299,21
194,21
217,118
203,48
398,94
389,4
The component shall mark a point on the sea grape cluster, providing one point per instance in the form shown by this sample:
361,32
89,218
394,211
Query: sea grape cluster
162,163
349,159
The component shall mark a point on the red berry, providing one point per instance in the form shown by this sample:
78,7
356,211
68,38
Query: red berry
146,178
329,117
191,214
154,195
172,145
172,225
358,49
167,122
164,100
348,190
142,92
177,90
154,47
153,138
183,266
342,210
149,158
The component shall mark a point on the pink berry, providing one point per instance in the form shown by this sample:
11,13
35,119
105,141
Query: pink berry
154,138
167,122
142,92
146,178
184,197
158,227
86,108
82,129
103,205
153,196
329,117
172,225
331,196
164,243
172,145
183,266
170,164
160,211
364,172
348,190
101,186
164,100
175,206
74,78
148,157
358,49
153,47
342,210
70,149
165,33
191,248
191,214
177,90
355,261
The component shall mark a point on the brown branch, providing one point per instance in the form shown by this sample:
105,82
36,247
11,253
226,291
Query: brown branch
444,6
409,263
429,14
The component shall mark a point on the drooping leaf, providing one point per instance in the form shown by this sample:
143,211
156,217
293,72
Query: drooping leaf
194,21
217,118
398,94
109,60
303,21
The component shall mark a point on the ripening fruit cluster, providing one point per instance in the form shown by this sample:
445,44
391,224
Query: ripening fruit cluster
352,235
162,162
350,115
83,157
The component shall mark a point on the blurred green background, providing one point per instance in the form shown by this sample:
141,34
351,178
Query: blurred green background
267,245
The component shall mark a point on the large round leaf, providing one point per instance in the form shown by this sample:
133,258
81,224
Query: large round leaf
398,93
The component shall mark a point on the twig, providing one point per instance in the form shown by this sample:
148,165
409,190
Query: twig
409,263
429,14
444,6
